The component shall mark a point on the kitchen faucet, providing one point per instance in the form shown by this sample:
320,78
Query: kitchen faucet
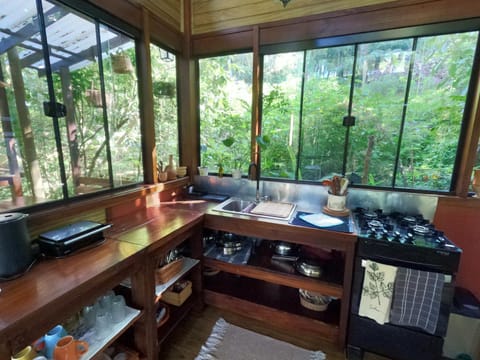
254,174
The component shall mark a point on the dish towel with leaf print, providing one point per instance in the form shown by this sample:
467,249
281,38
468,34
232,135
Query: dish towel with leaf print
416,300
377,291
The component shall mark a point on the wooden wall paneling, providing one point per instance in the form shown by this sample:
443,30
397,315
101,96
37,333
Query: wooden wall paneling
215,15
188,97
470,147
222,42
146,98
388,16
38,225
162,33
170,11
128,12
458,219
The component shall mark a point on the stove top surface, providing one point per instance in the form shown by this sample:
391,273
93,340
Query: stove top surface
400,229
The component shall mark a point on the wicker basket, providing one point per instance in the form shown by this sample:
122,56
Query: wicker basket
166,272
94,97
313,301
121,64
177,298
165,317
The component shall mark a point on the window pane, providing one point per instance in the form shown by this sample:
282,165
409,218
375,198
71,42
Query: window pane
380,84
121,92
75,72
225,111
282,85
325,102
441,74
165,103
29,162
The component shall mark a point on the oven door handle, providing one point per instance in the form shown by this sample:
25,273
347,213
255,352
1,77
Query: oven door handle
391,260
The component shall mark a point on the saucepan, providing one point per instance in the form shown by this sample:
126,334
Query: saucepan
285,248
309,267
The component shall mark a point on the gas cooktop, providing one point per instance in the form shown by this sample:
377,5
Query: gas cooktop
404,237
400,228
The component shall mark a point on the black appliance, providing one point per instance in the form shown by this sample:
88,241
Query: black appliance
408,241
16,254
70,238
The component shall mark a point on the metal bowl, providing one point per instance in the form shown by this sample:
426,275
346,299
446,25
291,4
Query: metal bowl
284,248
309,267
231,247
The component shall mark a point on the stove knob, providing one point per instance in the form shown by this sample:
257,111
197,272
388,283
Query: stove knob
409,239
440,241
384,235
396,236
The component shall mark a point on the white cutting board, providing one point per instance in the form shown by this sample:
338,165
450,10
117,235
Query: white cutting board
273,208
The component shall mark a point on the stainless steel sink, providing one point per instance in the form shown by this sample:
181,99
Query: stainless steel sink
244,207
235,206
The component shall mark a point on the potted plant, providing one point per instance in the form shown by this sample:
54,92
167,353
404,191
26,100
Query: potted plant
163,88
237,171
203,168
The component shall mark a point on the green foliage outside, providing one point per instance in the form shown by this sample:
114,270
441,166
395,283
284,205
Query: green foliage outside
408,99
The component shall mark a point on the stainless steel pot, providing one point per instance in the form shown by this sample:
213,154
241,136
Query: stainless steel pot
309,267
231,247
285,248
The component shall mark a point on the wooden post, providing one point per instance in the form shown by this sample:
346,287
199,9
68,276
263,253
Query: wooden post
148,127
71,125
10,142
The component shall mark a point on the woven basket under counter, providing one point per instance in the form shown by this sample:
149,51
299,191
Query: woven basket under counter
177,298
166,272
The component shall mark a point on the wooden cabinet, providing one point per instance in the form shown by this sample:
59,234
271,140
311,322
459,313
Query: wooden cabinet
159,230
270,293
55,289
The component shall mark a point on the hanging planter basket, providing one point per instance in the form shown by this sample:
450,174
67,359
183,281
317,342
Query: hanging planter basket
121,64
163,88
94,97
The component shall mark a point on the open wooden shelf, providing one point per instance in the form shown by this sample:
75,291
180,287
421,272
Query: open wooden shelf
267,289
187,265
275,296
176,314
96,345
272,316
261,267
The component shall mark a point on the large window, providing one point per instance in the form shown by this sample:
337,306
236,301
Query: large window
70,120
387,113
164,75
225,112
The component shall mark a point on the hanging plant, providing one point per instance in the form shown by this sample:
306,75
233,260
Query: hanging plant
163,88
94,97
121,63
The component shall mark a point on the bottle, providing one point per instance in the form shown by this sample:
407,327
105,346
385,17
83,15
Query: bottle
170,169
476,182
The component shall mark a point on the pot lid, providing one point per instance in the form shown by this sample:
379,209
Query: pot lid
10,217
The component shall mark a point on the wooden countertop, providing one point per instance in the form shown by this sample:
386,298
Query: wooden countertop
54,289
154,227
